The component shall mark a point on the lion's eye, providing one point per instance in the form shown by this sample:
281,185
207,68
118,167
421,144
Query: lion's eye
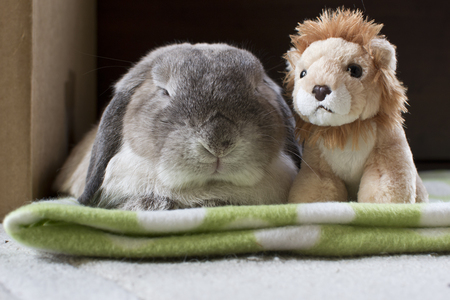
355,70
303,74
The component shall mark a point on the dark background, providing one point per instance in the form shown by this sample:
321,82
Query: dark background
127,30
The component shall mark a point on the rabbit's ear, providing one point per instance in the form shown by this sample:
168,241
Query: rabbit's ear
291,146
107,143
110,131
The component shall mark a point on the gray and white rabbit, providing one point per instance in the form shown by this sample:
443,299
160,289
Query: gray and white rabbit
188,126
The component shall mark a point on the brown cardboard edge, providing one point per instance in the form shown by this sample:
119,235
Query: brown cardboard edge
15,108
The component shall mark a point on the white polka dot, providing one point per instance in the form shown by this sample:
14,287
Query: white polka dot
325,213
15,221
433,232
436,215
129,243
289,238
179,220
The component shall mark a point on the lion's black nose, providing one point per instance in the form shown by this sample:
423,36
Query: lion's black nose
321,91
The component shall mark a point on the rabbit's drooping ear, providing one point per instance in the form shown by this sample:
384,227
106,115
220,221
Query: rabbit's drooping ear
107,143
291,146
383,53
110,131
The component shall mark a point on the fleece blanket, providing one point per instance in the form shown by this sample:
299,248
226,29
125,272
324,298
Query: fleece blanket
320,229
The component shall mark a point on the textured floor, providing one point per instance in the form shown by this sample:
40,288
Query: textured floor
27,274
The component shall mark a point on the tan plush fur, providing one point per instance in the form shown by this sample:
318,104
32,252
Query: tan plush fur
354,143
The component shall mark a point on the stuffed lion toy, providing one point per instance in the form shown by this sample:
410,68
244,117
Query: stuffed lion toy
349,104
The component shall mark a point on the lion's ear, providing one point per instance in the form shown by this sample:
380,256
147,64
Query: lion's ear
384,53
292,56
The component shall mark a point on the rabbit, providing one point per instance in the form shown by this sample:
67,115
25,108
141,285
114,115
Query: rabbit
190,125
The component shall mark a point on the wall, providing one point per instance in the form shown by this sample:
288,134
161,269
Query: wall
63,83
47,99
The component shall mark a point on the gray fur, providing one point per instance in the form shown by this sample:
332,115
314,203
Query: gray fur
179,113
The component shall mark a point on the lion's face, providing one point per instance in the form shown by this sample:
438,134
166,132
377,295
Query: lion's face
334,83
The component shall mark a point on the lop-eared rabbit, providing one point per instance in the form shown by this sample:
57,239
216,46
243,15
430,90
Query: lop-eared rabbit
188,126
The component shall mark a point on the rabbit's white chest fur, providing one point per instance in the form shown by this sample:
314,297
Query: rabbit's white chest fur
348,163
128,172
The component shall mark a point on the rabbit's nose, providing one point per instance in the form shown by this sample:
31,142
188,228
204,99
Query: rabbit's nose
321,91
225,144
219,149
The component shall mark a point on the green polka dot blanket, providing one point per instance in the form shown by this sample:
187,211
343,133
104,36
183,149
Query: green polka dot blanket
320,229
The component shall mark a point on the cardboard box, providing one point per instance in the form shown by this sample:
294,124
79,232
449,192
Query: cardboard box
47,94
